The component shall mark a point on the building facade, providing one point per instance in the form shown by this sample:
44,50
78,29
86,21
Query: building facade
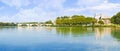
105,19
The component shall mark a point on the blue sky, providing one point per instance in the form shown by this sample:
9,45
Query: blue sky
42,10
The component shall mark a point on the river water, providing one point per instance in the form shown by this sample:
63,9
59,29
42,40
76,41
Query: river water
59,39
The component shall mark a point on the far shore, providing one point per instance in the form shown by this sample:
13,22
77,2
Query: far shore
66,26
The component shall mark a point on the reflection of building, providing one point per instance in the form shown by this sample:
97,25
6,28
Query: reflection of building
33,24
19,25
29,25
105,19
97,34
101,32
20,28
48,24
48,28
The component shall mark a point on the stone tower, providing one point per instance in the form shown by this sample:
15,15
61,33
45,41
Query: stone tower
98,16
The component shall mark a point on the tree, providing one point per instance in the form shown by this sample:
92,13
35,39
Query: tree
66,20
75,20
48,22
100,22
116,19
7,24
94,21
78,19
58,21
90,20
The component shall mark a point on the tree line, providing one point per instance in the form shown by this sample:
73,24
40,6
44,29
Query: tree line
116,19
7,24
75,20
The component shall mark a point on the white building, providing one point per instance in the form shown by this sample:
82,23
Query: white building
105,19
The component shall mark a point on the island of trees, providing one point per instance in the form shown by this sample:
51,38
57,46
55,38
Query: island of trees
75,20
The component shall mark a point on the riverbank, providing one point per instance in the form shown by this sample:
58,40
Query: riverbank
66,26
15,25
84,26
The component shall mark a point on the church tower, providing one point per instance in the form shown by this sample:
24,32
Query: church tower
100,16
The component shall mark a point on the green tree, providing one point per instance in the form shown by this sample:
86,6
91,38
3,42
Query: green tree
100,22
94,21
66,20
116,19
58,21
48,22
90,20
78,19
75,20
7,24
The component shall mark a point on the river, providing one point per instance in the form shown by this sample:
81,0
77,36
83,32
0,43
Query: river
59,39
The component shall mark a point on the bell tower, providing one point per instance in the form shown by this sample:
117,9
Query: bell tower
100,16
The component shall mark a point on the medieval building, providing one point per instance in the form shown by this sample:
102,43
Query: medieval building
105,19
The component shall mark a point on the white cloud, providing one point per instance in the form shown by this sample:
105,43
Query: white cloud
106,6
74,10
99,6
40,12
89,2
35,14
43,10
49,4
16,3
5,19
105,1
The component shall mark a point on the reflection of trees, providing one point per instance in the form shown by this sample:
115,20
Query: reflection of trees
79,31
74,31
116,34
63,30
7,27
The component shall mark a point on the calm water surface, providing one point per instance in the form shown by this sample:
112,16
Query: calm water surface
59,39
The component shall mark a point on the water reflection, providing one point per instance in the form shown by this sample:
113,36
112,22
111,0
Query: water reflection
99,32
48,28
57,38
74,31
7,27
34,28
116,33
81,31
63,30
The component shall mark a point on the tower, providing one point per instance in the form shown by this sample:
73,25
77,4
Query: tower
100,16
95,15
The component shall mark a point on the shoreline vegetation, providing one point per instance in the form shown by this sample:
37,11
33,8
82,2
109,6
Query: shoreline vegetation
72,21
52,25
